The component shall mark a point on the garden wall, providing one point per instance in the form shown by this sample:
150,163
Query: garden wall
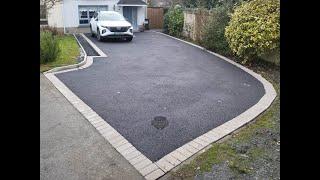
194,20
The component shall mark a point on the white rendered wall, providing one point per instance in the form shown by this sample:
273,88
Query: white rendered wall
54,16
67,12
141,15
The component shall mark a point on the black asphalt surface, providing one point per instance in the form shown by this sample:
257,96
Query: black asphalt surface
86,46
155,75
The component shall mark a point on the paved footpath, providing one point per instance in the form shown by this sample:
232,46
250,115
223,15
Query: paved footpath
70,147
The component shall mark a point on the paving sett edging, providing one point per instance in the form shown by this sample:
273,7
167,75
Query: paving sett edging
147,168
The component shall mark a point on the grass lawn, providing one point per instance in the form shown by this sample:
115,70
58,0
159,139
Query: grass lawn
251,153
69,53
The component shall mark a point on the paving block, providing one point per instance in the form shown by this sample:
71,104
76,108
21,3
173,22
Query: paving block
196,145
123,147
132,155
172,160
137,159
178,155
116,140
142,164
113,134
119,142
199,141
128,151
206,139
164,165
190,148
184,152
148,169
155,174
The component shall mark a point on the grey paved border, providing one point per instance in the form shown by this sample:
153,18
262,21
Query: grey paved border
145,166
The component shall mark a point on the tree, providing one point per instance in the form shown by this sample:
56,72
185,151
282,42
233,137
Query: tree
48,4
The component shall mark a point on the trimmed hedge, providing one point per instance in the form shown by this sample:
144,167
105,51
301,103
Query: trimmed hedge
254,28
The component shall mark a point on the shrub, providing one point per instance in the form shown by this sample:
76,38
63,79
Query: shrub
53,30
254,28
214,29
166,22
49,47
173,21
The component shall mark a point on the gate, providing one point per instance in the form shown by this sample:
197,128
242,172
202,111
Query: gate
155,16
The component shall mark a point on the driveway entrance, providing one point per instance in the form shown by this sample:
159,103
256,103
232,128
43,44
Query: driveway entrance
160,93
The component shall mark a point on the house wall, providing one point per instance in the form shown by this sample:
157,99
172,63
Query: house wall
141,15
54,16
67,11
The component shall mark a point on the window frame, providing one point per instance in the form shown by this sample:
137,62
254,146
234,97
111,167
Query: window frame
43,21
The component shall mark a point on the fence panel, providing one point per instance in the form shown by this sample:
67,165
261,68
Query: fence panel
155,16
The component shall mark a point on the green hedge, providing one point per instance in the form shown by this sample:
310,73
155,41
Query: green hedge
254,28
173,21
214,30
49,47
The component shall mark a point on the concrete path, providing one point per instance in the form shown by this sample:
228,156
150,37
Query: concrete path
70,148
155,75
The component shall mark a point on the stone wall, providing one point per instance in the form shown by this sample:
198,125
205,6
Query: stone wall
194,21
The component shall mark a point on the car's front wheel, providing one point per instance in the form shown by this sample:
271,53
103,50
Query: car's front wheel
98,35
129,39
92,34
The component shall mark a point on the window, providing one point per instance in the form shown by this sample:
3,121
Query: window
43,15
87,12
91,13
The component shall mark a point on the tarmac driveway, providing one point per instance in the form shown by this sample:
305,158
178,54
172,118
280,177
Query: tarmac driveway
155,75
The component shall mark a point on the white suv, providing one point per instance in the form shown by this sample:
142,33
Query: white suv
110,24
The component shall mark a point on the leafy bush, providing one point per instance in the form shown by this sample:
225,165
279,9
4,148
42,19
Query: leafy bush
173,21
166,21
49,47
214,29
254,28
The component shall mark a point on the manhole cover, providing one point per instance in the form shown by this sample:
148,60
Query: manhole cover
159,122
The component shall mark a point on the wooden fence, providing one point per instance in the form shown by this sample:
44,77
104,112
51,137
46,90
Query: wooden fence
155,16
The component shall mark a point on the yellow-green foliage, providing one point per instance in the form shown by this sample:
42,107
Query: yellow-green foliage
254,28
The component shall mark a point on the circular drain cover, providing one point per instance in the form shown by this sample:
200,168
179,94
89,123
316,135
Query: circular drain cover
159,122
